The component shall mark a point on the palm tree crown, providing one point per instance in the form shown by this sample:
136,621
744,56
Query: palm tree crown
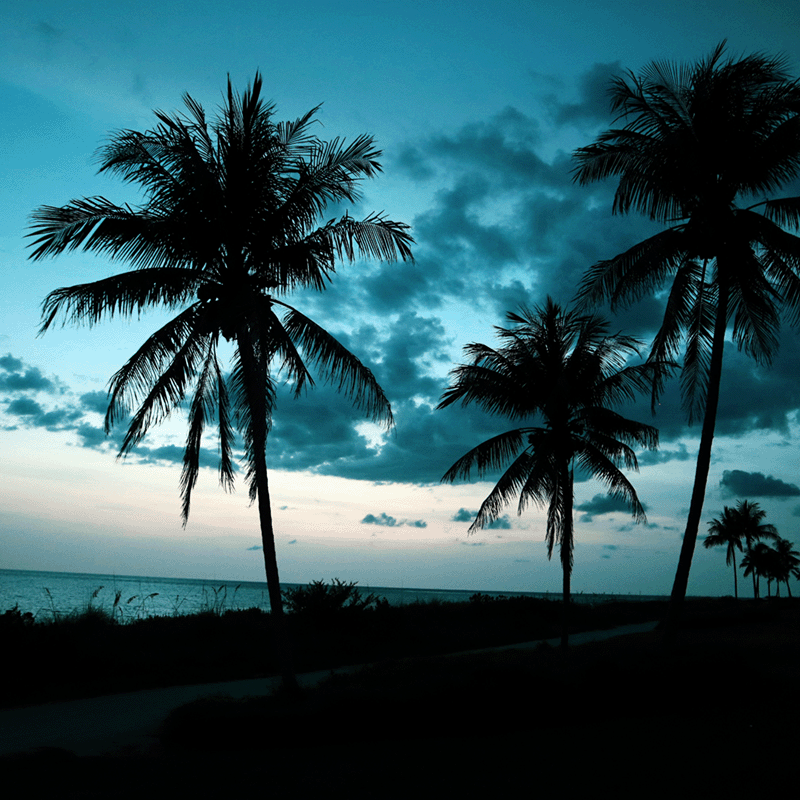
700,148
228,227
568,372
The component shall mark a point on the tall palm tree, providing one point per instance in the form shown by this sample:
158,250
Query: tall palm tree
701,147
724,532
566,372
228,227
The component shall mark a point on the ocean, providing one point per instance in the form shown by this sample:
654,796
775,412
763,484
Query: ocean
53,595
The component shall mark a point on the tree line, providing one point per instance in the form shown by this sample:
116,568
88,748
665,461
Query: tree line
229,228
742,527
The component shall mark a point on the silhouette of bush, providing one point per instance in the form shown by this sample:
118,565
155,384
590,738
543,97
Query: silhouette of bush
320,600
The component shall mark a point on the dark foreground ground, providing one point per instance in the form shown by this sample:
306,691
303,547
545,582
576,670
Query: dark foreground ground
716,713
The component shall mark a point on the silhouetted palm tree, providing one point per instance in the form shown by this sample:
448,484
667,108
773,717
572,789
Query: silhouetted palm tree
742,524
701,147
787,562
229,225
752,528
724,532
567,372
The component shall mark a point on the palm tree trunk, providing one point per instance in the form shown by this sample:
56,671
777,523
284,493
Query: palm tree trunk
566,556
703,464
735,580
256,377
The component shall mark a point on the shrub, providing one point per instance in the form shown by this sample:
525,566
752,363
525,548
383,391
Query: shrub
321,600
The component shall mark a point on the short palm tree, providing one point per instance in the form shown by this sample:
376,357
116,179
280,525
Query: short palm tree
228,227
701,148
724,532
561,375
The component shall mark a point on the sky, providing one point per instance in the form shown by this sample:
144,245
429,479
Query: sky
477,108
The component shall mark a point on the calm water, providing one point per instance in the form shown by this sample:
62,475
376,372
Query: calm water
49,594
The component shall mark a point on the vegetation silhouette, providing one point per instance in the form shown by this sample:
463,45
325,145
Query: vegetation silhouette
787,563
229,225
569,372
701,145
737,525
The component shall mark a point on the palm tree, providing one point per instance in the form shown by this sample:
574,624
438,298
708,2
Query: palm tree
568,372
701,147
724,532
737,525
752,528
787,562
228,227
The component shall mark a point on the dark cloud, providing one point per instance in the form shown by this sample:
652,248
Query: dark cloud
11,364
462,515
736,483
21,377
25,407
391,522
381,519
95,401
256,547
602,504
593,105
501,523
662,456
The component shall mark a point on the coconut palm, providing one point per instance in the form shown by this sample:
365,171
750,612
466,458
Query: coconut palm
752,529
742,524
566,373
787,562
229,226
724,532
701,147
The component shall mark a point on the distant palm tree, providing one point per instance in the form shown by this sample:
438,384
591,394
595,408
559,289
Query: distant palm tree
701,147
566,371
738,525
229,225
787,562
724,532
752,528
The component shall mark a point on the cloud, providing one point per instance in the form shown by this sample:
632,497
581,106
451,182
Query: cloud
501,523
462,515
10,364
391,522
256,547
736,483
602,504
381,519
593,105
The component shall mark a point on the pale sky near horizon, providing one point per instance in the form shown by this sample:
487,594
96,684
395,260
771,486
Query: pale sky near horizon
477,107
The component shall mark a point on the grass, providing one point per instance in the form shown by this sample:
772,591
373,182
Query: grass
106,656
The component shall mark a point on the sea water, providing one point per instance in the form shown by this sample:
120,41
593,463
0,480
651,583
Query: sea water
55,595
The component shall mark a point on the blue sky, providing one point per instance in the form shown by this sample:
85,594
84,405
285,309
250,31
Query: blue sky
477,107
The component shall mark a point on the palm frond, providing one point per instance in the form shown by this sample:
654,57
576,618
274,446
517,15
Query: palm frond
125,294
339,365
491,455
